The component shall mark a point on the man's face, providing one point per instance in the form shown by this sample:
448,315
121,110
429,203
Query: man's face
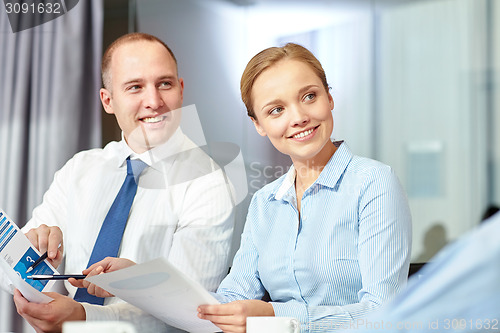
145,95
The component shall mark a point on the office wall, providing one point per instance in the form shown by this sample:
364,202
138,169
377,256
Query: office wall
346,51
432,129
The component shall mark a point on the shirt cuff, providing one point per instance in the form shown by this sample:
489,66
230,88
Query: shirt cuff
292,309
95,312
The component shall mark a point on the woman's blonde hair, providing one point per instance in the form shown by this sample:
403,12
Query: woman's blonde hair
267,58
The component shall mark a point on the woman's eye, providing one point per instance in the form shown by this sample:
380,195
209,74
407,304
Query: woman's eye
309,97
276,110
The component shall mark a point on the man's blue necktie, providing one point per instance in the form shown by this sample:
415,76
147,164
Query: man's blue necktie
110,236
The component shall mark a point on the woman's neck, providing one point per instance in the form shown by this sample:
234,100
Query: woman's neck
307,171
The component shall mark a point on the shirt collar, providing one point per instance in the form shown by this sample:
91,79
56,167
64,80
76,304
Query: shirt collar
155,155
288,182
329,177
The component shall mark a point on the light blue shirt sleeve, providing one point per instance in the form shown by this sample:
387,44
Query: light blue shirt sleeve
345,255
458,291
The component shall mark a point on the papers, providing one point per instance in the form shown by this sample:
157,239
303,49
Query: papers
162,290
16,255
30,293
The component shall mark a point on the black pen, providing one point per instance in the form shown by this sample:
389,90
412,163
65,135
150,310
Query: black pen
39,260
56,277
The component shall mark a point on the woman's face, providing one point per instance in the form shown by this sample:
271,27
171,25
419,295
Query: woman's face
293,109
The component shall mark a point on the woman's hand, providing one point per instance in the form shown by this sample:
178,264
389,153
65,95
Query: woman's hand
232,317
106,265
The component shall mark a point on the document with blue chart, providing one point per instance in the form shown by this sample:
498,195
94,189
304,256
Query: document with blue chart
17,255
160,289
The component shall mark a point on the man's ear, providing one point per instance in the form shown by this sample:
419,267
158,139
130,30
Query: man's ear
106,100
181,84
259,128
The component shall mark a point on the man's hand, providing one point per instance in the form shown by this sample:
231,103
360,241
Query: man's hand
48,239
106,265
49,317
232,317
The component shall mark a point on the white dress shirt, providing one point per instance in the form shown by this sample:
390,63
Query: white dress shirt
182,211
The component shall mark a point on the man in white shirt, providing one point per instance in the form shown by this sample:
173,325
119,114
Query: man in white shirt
183,209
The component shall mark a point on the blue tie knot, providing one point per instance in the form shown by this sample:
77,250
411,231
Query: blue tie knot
135,168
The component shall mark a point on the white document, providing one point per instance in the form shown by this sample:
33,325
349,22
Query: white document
162,290
16,255
30,293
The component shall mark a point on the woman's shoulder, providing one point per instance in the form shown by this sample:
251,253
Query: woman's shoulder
358,164
364,169
371,173
363,164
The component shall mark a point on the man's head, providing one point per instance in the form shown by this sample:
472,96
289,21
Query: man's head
142,89
132,37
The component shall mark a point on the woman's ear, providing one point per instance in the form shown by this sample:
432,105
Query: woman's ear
259,128
330,100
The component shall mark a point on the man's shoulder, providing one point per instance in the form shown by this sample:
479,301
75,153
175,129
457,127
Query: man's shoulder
92,153
95,156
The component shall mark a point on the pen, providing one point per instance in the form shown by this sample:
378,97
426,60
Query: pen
39,260
56,277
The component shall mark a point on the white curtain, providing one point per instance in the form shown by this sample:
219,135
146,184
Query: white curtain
49,109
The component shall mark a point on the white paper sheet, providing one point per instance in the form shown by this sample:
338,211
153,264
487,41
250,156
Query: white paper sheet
30,293
162,290
16,255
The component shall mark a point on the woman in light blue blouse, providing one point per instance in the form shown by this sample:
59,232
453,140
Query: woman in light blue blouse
330,240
